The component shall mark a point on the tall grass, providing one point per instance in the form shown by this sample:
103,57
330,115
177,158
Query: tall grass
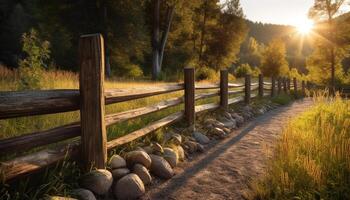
312,159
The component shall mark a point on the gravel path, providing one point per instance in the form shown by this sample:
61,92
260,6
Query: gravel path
224,170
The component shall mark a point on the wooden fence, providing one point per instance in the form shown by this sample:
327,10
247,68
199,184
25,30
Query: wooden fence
91,99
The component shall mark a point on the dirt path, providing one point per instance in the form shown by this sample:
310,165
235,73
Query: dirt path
224,170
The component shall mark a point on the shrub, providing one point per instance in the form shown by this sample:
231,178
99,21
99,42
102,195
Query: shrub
206,73
243,70
31,68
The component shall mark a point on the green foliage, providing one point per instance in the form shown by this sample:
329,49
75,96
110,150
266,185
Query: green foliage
243,70
282,99
293,73
206,73
31,68
311,161
274,61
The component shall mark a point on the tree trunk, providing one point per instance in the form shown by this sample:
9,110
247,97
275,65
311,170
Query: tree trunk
203,31
155,41
170,15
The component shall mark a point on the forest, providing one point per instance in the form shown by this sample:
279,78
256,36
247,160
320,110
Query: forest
156,39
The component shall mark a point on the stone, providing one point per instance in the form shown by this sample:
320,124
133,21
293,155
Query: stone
171,156
119,173
200,138
138,157
148,149
219,132
190,146
200,148
83,194
98,181
228,116
160,167
157,148
239,119
117,161
180,152
226,130
176,138
129,187
143,173
228,123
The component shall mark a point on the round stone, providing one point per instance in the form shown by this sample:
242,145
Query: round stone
138,157
98,181
129,187
143,173
171,156
117,161
119,173
160,167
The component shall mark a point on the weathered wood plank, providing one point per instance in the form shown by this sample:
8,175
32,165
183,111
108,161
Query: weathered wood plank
92,102
30,163
247,89
121,95
224,89
26,103
40,138
144,131
189,96
261,86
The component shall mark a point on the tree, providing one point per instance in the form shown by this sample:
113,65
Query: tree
243,70
274,61
327,10
30,68
158,44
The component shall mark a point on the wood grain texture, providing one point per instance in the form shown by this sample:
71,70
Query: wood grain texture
41,138
92,105
273,86
144,131
189,96
21,166
261,86
295,87
224,89
26,103
247,89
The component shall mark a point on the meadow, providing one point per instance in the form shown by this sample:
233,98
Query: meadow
312,159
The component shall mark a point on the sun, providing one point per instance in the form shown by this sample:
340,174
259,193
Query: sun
305,27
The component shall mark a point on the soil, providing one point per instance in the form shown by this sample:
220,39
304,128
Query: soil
227,166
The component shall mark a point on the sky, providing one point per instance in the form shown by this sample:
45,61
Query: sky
289,12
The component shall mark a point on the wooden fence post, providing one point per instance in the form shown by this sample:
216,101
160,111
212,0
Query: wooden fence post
261,85
279,85
285,84
288,85
303,87
189,96
224,89
295,84
273,86
92,101
247,89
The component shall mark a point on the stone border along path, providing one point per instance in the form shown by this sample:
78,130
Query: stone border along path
227,166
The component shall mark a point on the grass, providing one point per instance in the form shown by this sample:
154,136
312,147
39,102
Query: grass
61,178
312,159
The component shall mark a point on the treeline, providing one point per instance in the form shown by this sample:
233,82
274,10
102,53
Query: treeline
139,34
261,34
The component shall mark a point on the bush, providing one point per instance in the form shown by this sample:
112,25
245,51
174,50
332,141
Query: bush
206,73
243,70
31,68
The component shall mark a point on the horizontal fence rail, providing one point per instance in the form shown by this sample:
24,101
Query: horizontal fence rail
28,103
